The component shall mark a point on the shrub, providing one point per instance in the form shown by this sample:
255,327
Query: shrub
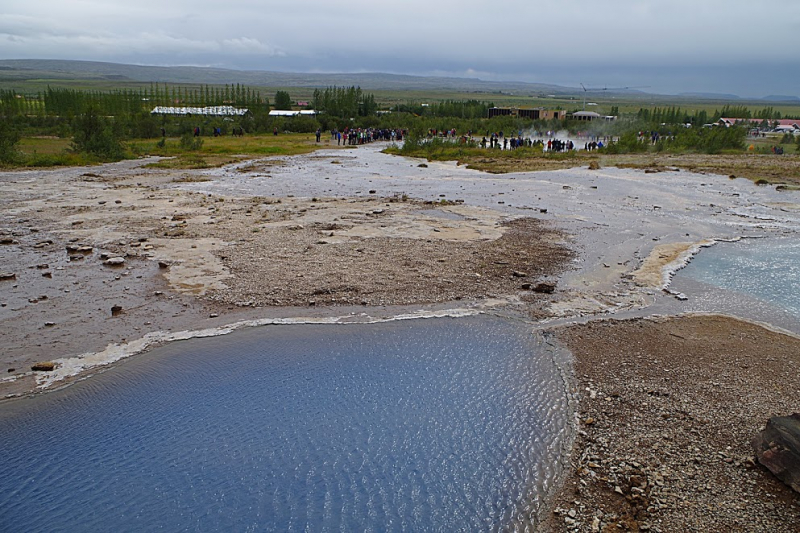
9,138
96,135
190,142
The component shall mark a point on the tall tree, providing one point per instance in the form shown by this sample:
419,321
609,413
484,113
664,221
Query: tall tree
283,100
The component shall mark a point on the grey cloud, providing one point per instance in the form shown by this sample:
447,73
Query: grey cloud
697,42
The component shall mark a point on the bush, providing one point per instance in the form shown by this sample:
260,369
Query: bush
9,138
302,124
190,142
143,125
96,135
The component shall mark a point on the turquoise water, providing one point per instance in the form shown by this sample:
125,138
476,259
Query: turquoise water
765,270
439,425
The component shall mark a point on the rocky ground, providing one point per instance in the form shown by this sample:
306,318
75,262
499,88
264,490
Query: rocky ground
668,408
118,252
324,263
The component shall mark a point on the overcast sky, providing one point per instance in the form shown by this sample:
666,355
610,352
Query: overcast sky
744,47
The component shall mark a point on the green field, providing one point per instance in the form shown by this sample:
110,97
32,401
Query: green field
217,151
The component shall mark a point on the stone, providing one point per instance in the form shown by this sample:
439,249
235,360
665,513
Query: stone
44,366
114,261
163,264
7,276
518,274
116,310
777,447
594,165
545,287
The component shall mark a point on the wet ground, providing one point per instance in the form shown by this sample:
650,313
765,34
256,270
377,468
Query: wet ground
628,229
617,217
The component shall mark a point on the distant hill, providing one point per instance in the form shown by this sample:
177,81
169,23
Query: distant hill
711,96
48,69
781,98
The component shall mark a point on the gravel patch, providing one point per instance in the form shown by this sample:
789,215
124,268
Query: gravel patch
668,408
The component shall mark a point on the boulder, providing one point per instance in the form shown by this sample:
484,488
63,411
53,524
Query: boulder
778,448
7,275
44,366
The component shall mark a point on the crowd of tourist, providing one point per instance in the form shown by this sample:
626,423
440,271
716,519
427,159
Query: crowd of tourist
356,136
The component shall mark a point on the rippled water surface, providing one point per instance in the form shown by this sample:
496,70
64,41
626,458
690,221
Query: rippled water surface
765,270
441,424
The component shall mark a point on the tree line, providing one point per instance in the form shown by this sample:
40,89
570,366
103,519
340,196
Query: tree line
676,115
114,116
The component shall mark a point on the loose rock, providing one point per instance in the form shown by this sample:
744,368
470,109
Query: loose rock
114,261
778,448
545,287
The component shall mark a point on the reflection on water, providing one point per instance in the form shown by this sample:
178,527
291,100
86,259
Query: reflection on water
441,424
